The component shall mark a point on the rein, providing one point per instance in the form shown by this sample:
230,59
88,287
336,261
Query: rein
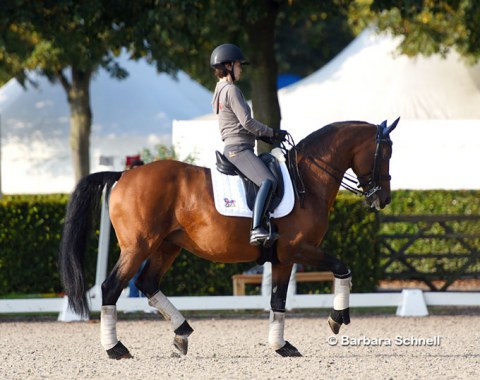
341,181
292,167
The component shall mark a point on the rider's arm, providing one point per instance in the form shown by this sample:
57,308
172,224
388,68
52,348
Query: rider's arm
244,115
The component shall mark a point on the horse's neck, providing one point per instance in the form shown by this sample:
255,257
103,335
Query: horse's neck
326,162
342,141
335,154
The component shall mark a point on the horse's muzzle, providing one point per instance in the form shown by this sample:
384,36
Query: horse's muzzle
376,202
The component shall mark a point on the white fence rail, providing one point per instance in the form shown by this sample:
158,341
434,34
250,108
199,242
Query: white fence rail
411,302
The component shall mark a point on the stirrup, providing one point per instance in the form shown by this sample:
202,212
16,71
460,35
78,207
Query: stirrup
258,236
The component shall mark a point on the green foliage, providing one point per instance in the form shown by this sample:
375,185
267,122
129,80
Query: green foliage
30,235
427,202
192,276
353,237
308,37
435,256
30,229
163,152
308,34
30,232
82,37
431,27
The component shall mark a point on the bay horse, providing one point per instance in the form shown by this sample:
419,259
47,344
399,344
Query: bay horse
164,206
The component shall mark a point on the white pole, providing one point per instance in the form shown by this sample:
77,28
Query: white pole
1,157
103,245
66,314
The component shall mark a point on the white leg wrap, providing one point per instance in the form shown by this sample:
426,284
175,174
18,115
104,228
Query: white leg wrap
276,328
342,293
169,312
108,327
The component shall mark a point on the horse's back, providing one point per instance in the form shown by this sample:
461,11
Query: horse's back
159,175
154,190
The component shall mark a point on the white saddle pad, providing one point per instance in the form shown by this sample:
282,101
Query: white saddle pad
230,197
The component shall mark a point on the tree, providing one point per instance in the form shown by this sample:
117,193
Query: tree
431,27
52,37
163,152
261,29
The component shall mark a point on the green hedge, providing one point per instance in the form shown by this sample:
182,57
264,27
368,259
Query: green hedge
29,235
30,228
433,202
440,202
30,232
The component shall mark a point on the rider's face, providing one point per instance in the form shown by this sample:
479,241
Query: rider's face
237,70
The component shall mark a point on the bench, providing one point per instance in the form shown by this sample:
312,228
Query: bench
240,280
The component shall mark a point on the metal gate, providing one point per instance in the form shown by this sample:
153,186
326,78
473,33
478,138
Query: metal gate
440,248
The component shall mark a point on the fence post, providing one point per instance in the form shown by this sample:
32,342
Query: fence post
413,304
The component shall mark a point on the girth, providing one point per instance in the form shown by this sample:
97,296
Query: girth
226,167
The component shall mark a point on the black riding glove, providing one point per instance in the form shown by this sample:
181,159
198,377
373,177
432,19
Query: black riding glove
280,135
268,140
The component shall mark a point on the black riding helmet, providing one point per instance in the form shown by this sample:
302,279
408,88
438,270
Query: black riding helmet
226,53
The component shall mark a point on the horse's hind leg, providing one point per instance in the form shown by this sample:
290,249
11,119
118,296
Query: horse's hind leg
112,287
148,283
280,280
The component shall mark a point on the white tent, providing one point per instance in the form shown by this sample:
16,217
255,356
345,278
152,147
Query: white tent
437,143
128,115
370,80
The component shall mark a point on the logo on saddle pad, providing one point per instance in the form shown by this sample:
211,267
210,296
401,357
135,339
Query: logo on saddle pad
229,202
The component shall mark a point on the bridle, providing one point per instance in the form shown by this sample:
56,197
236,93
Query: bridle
369,181
372,181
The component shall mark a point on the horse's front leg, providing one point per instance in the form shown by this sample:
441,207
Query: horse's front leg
280,280
343,282
341,302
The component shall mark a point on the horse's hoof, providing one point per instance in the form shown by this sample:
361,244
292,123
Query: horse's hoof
288,351
337,318
334,326
119,351
180,342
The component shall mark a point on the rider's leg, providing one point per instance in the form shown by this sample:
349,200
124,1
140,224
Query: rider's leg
259,233
254,169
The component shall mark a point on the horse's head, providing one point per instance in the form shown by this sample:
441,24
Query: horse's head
375,162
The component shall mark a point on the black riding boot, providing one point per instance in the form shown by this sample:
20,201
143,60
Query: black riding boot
259,234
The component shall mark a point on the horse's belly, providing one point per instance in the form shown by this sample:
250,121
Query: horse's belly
222,249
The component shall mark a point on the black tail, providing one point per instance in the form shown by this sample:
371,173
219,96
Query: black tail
78,221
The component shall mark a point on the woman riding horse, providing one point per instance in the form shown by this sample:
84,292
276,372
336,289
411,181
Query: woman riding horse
160,208
239,130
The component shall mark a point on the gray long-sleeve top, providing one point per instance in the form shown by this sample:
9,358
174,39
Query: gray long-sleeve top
235,116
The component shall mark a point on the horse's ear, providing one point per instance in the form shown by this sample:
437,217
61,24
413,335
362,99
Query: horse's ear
383,124
387,131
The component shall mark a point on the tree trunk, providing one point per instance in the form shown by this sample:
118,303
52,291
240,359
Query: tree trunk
80,121
261,35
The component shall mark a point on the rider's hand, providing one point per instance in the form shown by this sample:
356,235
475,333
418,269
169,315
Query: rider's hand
268,140
280,135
